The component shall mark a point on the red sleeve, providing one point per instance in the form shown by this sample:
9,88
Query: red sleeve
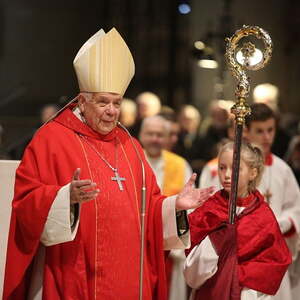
30,207
205,219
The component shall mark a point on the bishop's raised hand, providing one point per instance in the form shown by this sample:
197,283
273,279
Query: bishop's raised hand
190,197
82,190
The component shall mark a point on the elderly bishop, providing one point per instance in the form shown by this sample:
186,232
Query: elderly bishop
75,229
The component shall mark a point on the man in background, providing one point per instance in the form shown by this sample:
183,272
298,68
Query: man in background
17,148
172,172
148,104
278,184
268,94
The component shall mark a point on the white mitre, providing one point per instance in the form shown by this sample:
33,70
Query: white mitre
104,64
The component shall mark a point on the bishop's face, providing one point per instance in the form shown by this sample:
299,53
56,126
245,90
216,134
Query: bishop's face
100,110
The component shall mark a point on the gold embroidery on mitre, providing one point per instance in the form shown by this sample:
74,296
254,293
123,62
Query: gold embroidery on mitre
104,64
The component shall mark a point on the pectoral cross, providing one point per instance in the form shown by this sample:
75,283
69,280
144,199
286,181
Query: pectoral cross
118,179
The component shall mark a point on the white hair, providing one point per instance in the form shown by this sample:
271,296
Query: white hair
156,119
128,105
151,100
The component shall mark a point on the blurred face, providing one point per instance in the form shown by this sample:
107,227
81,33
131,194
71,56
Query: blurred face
142,110
188,123
148,106
101,110
245,174
262,133
175,129
173,136
47,113
295,157
153,137
231,128
219,116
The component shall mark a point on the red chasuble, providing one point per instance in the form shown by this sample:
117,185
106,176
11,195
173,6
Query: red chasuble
262,254
103,260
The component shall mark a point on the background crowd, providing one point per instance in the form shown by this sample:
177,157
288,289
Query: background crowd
189,134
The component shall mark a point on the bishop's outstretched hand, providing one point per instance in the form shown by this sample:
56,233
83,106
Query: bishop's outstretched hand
190,197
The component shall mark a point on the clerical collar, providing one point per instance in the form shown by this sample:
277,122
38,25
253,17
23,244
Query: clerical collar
77,113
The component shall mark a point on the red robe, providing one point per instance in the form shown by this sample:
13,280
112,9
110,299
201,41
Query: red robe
262,254
103,260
